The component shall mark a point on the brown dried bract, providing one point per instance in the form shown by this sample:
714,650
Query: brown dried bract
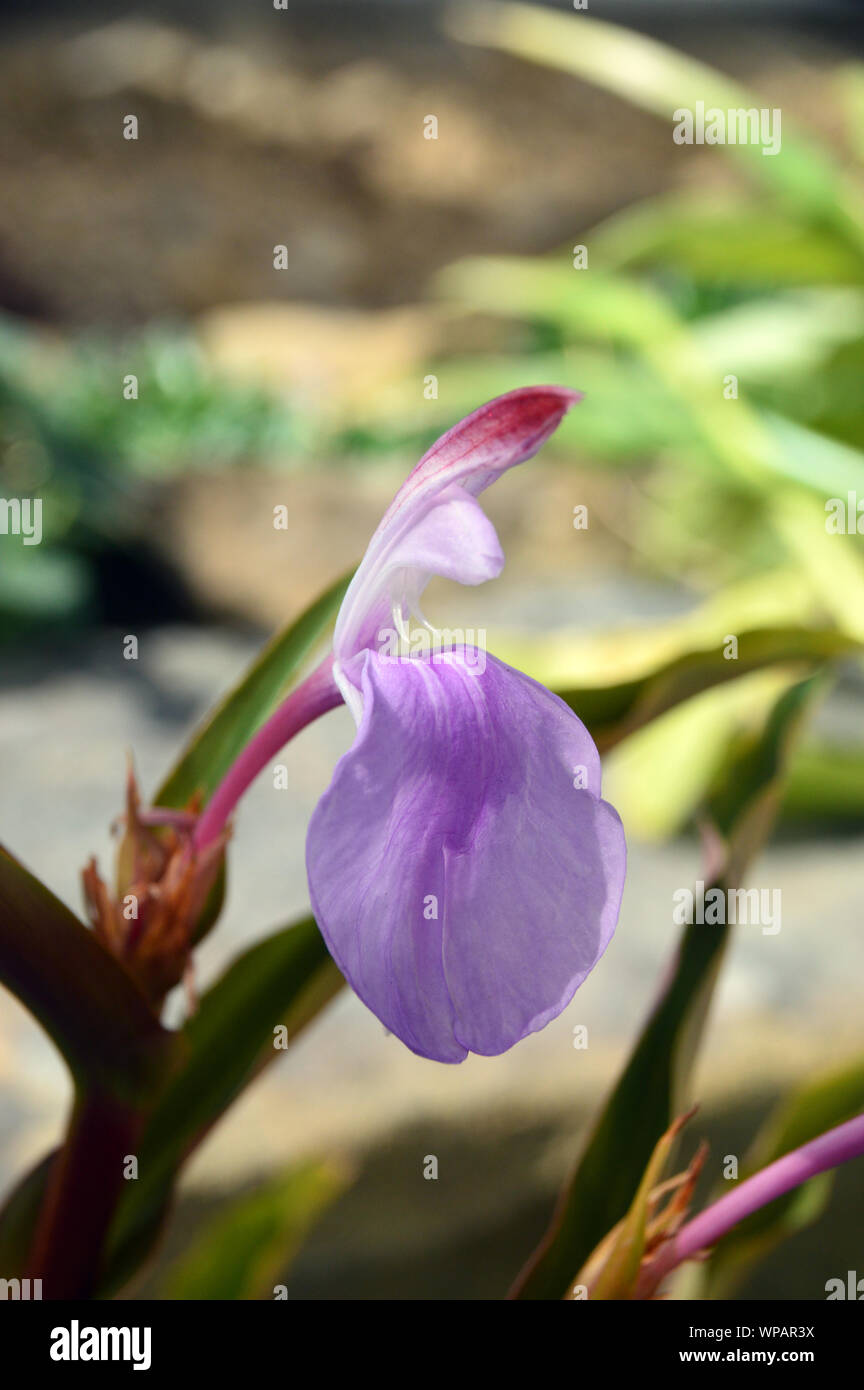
151,921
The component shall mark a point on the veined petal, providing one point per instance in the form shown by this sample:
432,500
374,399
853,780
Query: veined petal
500,434
452,537
416,534
463,883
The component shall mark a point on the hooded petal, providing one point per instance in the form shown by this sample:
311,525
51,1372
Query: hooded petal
462,882
418,534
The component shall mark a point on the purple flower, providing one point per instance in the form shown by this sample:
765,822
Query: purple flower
464,879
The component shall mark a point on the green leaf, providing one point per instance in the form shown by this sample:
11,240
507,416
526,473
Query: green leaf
747,448
826,783
773,337
660,79
613,1269
85,1001
612,712
649,1093
728,240
225,732
283,981
244,1251
659,776
603,307
20,1214
828,467
229,728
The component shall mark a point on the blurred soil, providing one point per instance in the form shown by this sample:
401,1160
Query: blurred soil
256,137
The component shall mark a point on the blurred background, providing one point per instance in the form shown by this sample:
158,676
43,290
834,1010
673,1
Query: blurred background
718,334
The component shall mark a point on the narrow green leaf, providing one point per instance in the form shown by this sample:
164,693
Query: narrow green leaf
85,1001
105,1029
283,981
611,712
20,1214
751,448
660,79
649,1093
226,731
725,240
245,1250
828,467
826,784
612,1271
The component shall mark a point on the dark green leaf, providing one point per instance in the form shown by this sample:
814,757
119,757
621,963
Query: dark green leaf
285,981
85,1001
226,732
19,1216
649,1093
726,241
243,1252
611,712
826,783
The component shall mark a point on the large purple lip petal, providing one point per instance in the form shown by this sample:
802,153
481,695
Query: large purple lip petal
464,886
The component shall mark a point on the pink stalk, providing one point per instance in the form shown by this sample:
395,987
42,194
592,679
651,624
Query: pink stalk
828,1151
314,697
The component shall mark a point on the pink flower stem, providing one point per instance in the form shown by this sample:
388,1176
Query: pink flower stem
314,697
828,1151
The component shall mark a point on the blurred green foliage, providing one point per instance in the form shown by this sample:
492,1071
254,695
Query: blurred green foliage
763,284
69,437
718,337
249,1244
